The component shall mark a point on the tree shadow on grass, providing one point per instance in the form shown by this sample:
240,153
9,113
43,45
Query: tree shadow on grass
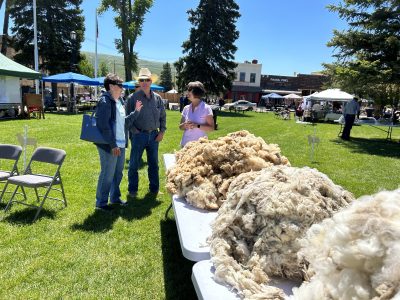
379,147
177,269
25,216
102,221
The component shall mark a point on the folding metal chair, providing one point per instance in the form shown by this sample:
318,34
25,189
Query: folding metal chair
42,157
9,155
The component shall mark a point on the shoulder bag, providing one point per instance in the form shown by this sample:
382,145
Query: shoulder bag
90,132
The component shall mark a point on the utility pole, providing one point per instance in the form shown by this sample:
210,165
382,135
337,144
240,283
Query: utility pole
36,56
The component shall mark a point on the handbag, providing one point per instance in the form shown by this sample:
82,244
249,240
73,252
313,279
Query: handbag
90,132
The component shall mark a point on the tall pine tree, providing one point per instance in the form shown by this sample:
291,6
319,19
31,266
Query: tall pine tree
210,49
166,77
368,57
55,21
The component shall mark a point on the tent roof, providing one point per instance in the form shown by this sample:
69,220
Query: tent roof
71,77
272,95
8,67
332,95
292,96
131,85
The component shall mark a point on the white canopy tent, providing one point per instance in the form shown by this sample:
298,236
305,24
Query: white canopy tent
292,96
332,95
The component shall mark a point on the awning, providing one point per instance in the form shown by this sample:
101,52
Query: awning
8,67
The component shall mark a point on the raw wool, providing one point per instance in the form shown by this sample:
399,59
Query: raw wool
356,253
254,235
205,168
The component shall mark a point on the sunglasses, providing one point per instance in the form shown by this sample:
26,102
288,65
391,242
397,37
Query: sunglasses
144,80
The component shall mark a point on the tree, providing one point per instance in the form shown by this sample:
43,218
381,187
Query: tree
166,77
4,42
103,69
85,67
368,56
129,18
210,49
57,51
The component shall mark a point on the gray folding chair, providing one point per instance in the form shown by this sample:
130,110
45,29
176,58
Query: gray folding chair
9,156
42,157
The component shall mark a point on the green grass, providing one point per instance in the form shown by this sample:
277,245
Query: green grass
134,253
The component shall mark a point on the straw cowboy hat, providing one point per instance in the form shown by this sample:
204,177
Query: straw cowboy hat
144,73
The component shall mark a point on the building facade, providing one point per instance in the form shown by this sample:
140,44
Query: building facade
250,84
246,85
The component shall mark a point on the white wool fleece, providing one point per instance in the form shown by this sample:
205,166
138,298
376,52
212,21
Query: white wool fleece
356,253
255,233
205,168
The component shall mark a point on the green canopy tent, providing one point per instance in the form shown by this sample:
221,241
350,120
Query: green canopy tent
10,88
8,67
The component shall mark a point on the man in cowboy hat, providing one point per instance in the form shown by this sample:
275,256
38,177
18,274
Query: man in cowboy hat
146,122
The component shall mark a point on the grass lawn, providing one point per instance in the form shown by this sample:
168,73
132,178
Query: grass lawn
134,252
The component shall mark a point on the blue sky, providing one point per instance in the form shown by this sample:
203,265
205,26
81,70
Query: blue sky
286,36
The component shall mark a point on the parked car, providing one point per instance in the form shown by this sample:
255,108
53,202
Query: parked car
240,105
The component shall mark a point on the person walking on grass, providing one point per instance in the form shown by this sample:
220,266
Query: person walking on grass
110,113
349,112
146,122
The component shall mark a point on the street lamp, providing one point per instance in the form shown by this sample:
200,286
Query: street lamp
73,50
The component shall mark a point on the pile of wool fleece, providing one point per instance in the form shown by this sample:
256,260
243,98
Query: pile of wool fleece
356,253
254,235
205,168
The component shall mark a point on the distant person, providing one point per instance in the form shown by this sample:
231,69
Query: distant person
350,111
197,117
221,102
146,122
181,102
110,114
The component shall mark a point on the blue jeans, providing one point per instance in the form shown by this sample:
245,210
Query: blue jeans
141,141
110,177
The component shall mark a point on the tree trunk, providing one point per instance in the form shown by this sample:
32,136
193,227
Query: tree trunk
124,41
4,43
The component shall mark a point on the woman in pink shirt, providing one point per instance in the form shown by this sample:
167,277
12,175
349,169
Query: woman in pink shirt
197,117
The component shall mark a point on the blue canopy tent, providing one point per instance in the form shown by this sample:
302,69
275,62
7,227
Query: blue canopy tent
131,85
71,78
99,80
266,99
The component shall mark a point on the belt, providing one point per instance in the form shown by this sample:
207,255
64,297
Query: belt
146,131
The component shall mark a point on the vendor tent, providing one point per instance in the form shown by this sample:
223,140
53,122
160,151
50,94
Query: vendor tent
272,96
71,77
293,96
100,80
332,95
10,87
8,67
173,91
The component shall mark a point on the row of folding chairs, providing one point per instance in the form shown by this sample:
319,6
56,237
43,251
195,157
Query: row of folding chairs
42,174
